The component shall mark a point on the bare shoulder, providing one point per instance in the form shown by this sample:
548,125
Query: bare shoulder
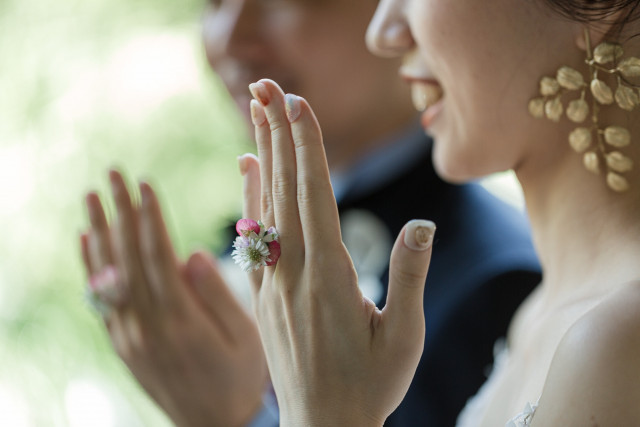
594,378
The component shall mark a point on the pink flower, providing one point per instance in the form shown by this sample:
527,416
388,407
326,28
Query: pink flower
274,252
255,246
244,227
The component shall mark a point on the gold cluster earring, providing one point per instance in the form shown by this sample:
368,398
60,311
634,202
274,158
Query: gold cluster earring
598,146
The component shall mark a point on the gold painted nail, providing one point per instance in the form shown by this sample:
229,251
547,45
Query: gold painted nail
419,234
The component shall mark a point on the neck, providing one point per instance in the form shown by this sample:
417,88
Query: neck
587,236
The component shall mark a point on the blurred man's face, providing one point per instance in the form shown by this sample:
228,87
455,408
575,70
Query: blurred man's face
314,48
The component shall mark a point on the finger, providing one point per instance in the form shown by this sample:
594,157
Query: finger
97,256
158,258
250,170
408,268
283,184
84,250
263,142
99,239
316,202
216,297
125,243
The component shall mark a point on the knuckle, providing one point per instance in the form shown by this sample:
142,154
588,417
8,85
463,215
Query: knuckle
266,205
308,188
278,127
302,143
305,191
407,277
283,183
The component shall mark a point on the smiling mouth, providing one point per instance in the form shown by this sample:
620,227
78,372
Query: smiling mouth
425,95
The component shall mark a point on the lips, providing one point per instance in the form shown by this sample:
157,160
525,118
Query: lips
425,94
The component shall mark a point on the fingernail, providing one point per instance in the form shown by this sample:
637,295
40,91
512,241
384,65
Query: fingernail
259,92
292,107
419,234
258,116
242,164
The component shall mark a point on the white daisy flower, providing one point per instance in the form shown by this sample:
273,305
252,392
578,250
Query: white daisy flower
255,246
250,253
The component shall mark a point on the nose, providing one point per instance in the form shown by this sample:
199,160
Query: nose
389,34
230,30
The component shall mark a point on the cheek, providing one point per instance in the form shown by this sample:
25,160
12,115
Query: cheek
480,133
487,84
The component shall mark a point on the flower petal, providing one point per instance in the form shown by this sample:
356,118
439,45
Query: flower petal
271,235
245,226
274,252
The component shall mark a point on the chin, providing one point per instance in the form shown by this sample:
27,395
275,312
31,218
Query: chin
451,175
453,166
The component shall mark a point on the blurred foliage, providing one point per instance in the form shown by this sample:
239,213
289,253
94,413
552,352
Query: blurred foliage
86,85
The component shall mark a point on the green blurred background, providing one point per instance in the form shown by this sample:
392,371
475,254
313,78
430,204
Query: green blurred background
86,85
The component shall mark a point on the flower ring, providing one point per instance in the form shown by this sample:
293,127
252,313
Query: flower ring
255,245
103,291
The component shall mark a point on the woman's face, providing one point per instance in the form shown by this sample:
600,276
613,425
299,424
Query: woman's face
486,57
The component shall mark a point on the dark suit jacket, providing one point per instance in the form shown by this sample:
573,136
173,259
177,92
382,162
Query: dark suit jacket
483,266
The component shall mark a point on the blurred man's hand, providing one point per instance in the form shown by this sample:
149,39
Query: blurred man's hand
177,326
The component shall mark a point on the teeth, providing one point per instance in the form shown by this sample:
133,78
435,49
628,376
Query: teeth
425,95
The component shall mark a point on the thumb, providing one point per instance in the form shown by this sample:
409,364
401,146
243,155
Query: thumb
408,269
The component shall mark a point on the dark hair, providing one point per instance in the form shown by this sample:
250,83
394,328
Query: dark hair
619,12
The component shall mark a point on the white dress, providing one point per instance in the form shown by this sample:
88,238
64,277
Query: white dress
472,412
